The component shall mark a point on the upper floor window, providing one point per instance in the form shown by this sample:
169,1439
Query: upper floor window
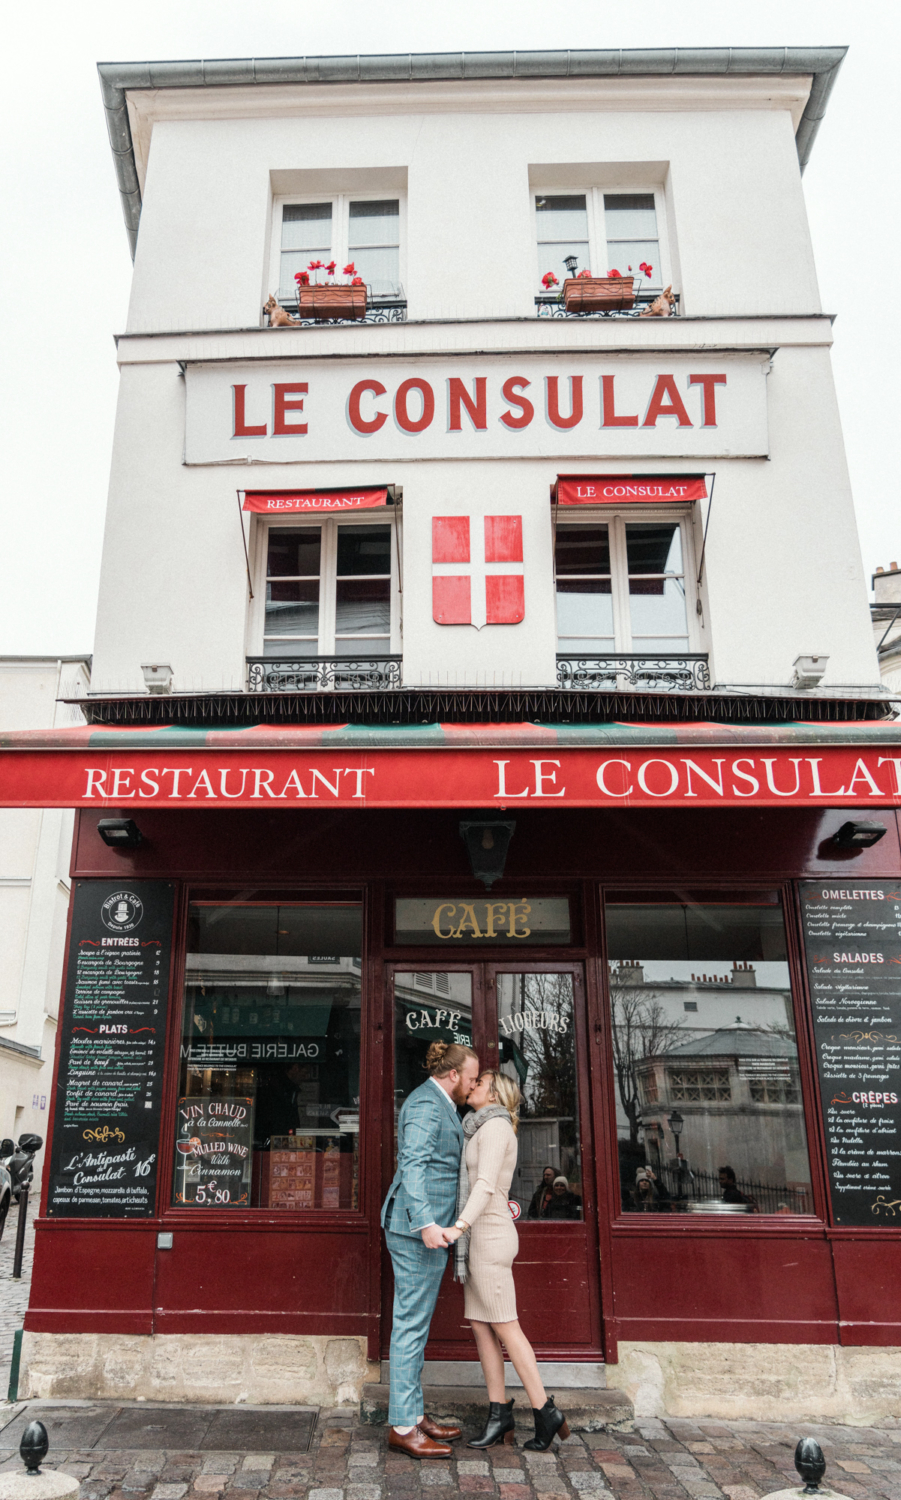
621,586
366,231
329,589
604,231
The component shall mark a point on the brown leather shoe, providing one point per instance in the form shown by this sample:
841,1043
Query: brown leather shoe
418,1444
441,1434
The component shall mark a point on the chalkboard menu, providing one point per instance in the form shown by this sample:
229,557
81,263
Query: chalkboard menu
106,1129
853,941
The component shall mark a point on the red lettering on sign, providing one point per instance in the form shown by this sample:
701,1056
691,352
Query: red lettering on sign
660,406
526,409
241,428
476,407
402,416
610,417
354,416
553,401
708,384
280,425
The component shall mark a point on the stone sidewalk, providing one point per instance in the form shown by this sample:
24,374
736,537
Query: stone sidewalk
347,1461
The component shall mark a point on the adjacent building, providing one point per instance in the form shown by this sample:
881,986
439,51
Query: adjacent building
483,653
35,847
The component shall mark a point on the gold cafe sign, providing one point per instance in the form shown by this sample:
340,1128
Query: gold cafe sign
432,921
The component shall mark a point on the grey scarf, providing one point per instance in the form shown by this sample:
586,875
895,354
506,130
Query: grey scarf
471,1124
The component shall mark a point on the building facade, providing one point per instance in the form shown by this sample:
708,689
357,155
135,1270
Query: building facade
35,846
885,611
464,668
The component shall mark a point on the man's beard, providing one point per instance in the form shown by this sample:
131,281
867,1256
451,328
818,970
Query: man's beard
461,1091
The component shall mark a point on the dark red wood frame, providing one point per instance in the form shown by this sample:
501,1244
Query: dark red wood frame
758,1279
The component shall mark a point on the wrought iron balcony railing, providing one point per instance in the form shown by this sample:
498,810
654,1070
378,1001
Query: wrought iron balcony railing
319,674
550,306
681,674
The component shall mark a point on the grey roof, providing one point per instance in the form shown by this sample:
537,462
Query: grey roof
423,67
738,1041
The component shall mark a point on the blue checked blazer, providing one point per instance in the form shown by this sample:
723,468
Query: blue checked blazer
429,1145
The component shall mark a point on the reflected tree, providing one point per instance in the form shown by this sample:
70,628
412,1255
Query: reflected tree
641,1029
546,1061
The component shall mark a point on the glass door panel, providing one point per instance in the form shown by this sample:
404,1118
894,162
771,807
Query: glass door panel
537,1040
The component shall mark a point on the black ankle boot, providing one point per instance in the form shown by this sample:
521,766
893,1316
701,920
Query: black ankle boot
498,1428
549,1422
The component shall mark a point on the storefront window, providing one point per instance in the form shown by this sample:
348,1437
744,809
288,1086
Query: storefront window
429,1006
708,1097
536,1034
269,1084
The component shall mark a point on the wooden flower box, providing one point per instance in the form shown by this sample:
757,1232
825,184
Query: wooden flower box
586,294
323,302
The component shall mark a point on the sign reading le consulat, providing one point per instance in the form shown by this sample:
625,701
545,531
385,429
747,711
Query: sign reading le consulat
298,411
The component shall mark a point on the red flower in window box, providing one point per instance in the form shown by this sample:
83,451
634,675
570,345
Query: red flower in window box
548,280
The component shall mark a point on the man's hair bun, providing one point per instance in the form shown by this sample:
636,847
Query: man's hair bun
446,1057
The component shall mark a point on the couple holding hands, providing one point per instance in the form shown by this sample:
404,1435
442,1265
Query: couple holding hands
450,1189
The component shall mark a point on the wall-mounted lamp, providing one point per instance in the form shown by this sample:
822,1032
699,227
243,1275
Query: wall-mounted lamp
157,676
119,833
859,835
809,671
487,844
570,262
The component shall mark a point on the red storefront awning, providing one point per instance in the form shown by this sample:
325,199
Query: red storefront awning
455,766
272,502
629,489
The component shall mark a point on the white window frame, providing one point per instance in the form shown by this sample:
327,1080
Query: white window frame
599,254
339,251
616,521
324,645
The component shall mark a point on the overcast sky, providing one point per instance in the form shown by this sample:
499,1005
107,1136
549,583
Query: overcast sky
65,267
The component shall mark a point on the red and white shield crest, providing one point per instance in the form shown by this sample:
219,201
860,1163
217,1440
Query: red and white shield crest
477,572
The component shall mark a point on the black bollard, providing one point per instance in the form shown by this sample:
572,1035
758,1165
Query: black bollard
20,1234
810,1464
33,1446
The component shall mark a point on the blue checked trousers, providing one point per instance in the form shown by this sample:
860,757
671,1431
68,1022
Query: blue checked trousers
417,1278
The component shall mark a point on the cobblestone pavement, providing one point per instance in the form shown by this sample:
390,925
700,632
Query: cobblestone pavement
13,1294
666,1461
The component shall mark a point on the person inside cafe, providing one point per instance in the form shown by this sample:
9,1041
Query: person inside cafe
542,1195
563,1202
731,1191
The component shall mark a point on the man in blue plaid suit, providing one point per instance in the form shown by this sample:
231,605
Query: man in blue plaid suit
421,1204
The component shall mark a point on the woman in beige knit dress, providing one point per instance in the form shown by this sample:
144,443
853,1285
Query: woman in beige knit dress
489,1161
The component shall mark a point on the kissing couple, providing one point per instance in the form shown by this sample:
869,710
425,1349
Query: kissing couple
450,1189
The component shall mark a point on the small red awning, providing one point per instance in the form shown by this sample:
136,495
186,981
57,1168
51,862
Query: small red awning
629,489
272,502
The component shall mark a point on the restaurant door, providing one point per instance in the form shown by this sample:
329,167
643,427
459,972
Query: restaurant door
529,1020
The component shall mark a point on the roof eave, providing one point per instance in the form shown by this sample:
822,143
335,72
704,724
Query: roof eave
116,79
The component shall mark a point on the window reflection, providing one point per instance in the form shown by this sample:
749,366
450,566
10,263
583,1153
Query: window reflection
536,1035
708,1097
268,1107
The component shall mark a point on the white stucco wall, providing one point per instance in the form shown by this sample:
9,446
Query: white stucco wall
783,573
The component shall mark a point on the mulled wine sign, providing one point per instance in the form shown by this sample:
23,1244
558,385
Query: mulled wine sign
105,1151
214,1151
852,932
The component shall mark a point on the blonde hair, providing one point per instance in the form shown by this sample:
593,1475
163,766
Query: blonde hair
447,1057
507,1093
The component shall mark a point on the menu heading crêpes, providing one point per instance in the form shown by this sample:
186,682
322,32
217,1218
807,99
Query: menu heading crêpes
106,1128
852,933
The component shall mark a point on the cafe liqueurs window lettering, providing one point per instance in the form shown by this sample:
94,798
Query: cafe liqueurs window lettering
268,1105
